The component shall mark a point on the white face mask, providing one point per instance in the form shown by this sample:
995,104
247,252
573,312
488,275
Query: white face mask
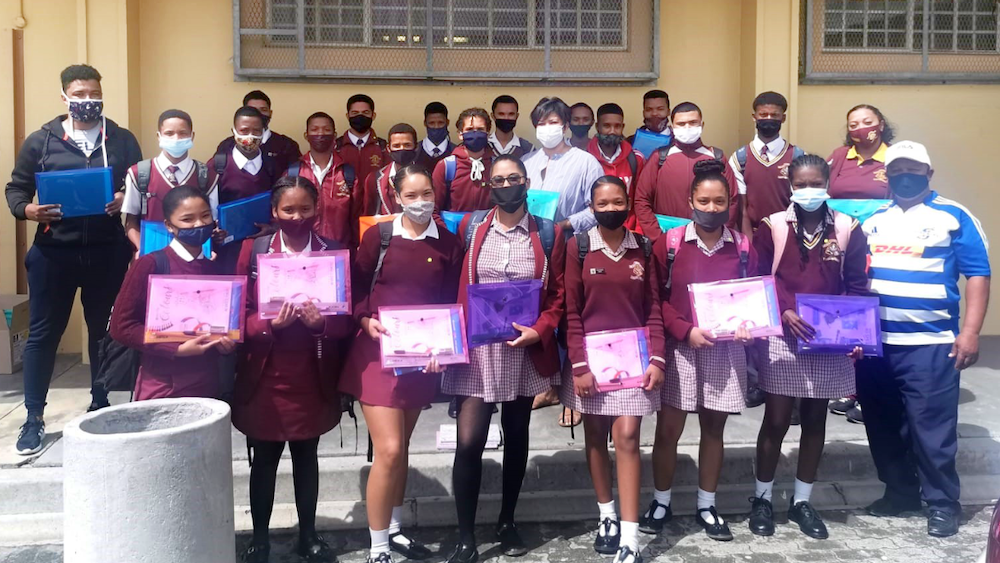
810,199
549,135
687,135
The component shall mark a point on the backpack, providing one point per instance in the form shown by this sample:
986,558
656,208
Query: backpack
633,164
583,245
144,168
546,230
741,156
347,169
221,158
663,151
117,364
450,164
842,224
385,237
675,238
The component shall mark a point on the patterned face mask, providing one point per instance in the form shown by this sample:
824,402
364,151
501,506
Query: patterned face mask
247,143
86,110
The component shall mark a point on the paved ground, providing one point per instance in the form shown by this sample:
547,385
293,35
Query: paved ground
854,538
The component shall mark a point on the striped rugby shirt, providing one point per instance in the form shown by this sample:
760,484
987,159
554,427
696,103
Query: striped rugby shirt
916,257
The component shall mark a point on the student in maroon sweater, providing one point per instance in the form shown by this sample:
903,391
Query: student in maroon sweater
170,369
469,190
612,289
421,266
380,195
284,390
437,144
280,150
857,169
360,146
806,241
665,189
707,376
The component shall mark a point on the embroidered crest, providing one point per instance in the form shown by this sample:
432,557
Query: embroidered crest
872,135
783,171
342,190
637,271
376,161
831,250
880,176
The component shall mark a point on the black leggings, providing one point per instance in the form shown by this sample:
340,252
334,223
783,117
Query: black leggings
305,476
467,475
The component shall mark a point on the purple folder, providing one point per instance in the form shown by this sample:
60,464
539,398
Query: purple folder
842,322
493,307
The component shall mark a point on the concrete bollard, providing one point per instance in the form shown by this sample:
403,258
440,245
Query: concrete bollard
150,482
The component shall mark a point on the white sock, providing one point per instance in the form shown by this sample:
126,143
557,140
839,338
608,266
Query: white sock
607,510
764,489
396,522
707,500
803,491
630,535
662,497
380,541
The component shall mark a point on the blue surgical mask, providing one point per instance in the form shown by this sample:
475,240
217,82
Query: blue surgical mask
195,236
810,199
176,147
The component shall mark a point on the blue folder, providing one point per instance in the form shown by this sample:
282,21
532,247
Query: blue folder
646,142
543,203
80,192
153,236
453,219
860,209
667,222
237,218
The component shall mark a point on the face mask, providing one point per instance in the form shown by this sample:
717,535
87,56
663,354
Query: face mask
687,135
908,186
360,123
810,199
320,143
297,228
511,198
176,147
195,236
656,124
248,143
87,111
580,131
768,128
866,135
710,221
550,136
437,135
419,211
403,157
611,220
475,141
506,125
609,142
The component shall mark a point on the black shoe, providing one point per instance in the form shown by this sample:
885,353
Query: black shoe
808,520
716,531
98,405
885,507
941,524
464,553
453,408
510,540
626,555
314,550
380,558
607,544
409,549
761,516
649,524
257,553
841,406
854,415
29,441
755,397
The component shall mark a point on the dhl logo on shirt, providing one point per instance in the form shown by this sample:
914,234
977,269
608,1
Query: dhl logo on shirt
897,250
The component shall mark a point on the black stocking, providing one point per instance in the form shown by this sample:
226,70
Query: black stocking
263,472
515,420
305,476
467,475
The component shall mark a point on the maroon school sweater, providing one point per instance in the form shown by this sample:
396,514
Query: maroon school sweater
692,266
338,210
851,180
666,190
464,194
161,373
821,274
768,190
236,183
279,150
602,294
427,161
159,186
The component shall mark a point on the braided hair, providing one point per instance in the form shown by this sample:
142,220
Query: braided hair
817,162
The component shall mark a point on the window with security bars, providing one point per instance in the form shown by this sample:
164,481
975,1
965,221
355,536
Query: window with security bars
901,40
445,39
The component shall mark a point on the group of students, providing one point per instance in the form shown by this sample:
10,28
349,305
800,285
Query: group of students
603,262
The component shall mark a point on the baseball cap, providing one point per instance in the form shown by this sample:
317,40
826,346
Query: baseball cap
911,150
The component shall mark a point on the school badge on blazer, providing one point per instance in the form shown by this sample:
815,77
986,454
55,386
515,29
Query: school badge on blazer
831,250
880,176
783,171
342,190
376,161
637,271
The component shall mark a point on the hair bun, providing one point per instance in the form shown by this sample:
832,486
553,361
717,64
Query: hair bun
709,166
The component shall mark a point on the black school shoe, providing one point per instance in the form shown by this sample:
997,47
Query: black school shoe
256,553
755,397
626,555
842,405
314,550
941,524
716,531
649,524
761,516
409,549
886,507
464,553
808,520
607,544
510,540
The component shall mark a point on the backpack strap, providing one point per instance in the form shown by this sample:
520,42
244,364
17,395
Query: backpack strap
645,244
143,169
293,168
743,245
633,165
663,152
675,237
476,218
546,234
162,264
450,164
350,177
779,236
202,171
582,246
842,226
385,237
219,161
261,245
797,152
741,158
719,155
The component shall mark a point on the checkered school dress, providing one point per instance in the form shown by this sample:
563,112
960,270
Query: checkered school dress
783,371
497,373
622,402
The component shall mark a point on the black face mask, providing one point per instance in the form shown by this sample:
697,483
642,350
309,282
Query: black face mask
511,198
580,131
768,128
360,123
506,125
710,221
611,220
609,142
403,157
908,186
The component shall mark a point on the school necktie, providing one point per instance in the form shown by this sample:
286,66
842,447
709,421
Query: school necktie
361,144
437,152
763,154
172,171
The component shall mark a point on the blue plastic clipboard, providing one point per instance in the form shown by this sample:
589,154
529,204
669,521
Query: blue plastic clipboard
80,192
453,219
237,218
154,236
667,222
646,142
543,204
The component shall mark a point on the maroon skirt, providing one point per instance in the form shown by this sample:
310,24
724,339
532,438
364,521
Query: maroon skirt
364,378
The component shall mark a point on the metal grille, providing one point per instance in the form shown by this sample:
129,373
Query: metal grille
901,41
487,40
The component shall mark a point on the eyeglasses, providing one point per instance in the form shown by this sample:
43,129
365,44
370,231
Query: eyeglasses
513,180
